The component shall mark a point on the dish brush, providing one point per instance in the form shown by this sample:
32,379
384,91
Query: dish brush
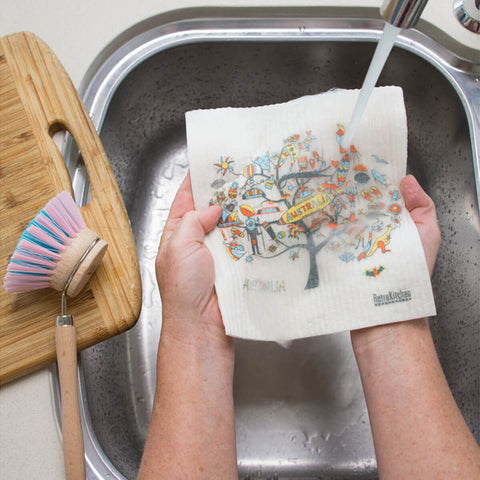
57,250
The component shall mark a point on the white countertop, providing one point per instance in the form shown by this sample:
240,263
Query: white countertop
30,445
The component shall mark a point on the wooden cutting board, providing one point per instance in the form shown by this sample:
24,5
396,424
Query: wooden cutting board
37,99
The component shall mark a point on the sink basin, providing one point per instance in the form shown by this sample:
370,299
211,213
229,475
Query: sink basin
300,411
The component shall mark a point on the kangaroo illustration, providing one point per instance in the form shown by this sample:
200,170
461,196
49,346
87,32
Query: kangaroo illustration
380,243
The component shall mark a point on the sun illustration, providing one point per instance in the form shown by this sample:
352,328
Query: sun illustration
225,165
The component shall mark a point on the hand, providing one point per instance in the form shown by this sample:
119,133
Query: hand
422,210
185,270
192,428
418,430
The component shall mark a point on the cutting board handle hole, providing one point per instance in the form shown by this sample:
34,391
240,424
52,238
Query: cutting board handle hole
74,163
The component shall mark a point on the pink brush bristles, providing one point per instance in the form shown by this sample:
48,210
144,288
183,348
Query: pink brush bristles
38,251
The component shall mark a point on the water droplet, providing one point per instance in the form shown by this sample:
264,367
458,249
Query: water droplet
159,191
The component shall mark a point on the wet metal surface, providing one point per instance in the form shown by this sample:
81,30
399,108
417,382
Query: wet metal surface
300,411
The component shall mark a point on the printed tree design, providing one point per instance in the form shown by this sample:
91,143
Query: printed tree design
295,200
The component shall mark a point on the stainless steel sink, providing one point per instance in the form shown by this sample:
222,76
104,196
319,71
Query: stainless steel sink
300,411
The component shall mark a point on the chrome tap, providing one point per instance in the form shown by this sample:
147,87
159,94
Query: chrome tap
468,14
402,13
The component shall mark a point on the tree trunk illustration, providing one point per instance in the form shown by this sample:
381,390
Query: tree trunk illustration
313,250
313,273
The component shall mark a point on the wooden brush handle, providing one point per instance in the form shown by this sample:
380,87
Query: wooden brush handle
73,450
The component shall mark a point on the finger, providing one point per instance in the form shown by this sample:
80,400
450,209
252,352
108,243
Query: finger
423,212
414,195
182,203
195,225
188,236
209,217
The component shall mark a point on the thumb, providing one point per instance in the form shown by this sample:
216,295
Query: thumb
208,217
188,236
195,225
414,195
422,210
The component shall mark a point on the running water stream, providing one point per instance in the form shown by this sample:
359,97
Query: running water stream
382,51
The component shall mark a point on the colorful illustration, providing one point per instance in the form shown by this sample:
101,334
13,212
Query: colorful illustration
374,272
296,202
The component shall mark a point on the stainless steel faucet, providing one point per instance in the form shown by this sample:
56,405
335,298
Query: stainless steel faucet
402,13
468,14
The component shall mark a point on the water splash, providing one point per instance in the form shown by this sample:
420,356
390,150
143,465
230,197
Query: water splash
382,51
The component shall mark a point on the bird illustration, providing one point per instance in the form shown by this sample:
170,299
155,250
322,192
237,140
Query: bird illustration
379,160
